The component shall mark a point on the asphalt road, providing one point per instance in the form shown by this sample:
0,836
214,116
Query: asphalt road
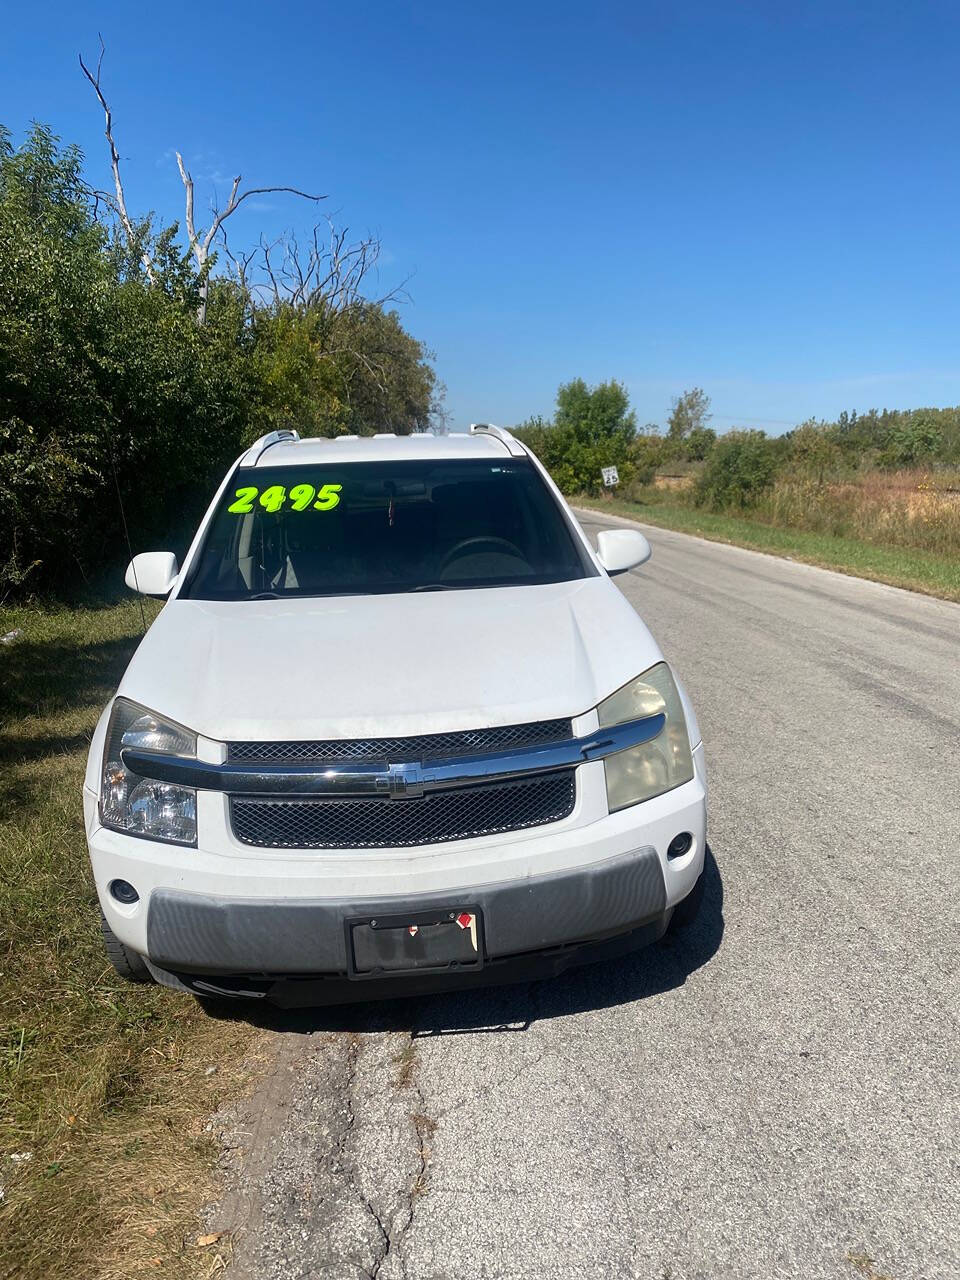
773,1095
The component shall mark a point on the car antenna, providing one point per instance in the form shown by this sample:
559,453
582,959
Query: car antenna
126,534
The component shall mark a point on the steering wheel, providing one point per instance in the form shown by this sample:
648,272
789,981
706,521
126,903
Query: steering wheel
467,547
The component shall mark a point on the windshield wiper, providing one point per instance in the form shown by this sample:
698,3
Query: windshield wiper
431,586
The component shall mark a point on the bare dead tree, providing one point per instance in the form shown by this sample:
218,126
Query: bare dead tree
326,274
133,240
201,242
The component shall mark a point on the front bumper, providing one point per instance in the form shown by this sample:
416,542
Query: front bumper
310,990
209,935
224,909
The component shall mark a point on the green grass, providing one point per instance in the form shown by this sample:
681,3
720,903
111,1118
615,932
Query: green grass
103,1091
916,570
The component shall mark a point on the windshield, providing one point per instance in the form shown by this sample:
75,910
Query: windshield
384,526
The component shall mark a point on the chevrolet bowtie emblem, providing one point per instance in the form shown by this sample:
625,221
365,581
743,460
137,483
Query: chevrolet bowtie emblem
401,781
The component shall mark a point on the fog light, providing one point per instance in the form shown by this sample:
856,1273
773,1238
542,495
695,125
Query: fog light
124,892
680,845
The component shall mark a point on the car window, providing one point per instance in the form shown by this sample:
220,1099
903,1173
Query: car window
384,526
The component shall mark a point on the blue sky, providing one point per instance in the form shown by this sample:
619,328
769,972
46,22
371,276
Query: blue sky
760,199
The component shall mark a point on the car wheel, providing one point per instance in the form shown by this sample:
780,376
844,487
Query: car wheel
687,909
127,963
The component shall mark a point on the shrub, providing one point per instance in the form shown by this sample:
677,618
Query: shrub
699,443
740,468
815,452
647,453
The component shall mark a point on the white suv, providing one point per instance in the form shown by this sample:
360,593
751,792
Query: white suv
394,730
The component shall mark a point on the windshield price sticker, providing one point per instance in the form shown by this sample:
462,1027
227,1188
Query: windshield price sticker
300,497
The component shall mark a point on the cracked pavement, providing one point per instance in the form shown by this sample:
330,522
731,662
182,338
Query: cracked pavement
771,1094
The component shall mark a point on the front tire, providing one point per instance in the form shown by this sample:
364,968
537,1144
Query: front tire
127,963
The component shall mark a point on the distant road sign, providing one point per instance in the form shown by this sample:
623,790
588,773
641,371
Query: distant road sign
610,476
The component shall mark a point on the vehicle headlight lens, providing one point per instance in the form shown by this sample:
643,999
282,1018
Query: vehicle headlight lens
665,762
138,805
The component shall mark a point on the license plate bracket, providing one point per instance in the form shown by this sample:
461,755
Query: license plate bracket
446,940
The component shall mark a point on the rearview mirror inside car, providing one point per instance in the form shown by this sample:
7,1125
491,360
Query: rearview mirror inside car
152,573
621,549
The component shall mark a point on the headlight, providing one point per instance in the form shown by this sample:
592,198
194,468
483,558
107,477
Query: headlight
140,806
665,762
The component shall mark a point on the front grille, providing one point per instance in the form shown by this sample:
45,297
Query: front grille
463,742
387,823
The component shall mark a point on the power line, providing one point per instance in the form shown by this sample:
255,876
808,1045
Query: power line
731,417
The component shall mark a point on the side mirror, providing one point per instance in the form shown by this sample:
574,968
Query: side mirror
621,549
152,573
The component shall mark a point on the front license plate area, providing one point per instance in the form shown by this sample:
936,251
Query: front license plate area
443,941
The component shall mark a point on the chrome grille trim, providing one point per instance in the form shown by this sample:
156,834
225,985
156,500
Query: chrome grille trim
398,780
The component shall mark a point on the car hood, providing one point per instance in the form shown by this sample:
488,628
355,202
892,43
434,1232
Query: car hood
388,665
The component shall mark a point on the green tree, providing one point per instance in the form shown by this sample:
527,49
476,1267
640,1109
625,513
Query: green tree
329,372
690,413
103,383
601,413
900,437
916,440
108,382
593,428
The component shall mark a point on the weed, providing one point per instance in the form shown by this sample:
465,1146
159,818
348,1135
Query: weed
864,1264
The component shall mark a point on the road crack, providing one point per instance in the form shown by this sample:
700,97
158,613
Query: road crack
393,1222
330,1162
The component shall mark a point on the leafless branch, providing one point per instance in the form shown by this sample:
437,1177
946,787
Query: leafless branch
188,184
121,204
266,249
99,197
236,201
328,271
241,263
202,242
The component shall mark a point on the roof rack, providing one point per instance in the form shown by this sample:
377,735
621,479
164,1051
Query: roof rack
510,443
259,447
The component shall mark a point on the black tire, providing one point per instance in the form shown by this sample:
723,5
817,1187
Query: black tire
687,910
127,963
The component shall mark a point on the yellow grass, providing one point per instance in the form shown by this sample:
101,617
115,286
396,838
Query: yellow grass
901,509
104,1091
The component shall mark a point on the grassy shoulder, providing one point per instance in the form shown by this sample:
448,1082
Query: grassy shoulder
916,570
104,1086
